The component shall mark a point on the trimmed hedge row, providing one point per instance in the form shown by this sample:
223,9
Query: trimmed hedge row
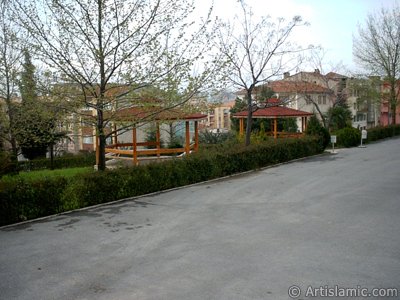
351,137
348,137
67,161
380,132
21,200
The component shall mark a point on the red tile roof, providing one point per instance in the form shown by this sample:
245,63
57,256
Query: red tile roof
273,101
333,75
282,86
155,113
274,112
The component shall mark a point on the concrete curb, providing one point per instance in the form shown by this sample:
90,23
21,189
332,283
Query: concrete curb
159,192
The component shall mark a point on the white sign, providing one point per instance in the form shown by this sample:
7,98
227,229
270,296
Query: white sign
333,139
364,134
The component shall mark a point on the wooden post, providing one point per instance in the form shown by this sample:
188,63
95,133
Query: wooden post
187,147
271,126
134,145
241,126
115,135
196,136
158,139
97,151
275,128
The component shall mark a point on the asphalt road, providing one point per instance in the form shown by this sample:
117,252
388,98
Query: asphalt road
324,221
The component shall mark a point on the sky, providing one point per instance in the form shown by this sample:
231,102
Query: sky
332,22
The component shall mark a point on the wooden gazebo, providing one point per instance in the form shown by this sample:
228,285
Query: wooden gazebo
138,116
273,110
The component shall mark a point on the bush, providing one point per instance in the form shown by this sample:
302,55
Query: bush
208,137
67,161
381,132
315,128
22,199
348,137
7,164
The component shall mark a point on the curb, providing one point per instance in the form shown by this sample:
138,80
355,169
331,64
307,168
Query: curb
134,199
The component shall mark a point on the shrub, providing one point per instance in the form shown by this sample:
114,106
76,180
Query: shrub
21,199
315,128
208,137
381,132
348,137
67,161
7,164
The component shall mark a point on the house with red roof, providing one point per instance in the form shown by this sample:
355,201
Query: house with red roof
315,92
386,113
303,91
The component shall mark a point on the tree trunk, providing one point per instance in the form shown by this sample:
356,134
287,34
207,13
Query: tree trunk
171,133
392,100
14,148
103,83
52,157
324,123
249,118
102,141
393,109
10,112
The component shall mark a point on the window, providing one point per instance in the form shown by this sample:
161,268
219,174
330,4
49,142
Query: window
324,99
355,93
88,140
319,99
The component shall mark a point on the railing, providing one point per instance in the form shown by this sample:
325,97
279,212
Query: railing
286,134
114,151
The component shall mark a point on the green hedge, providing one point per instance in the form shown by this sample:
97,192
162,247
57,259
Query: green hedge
7,164
381,132
315,128
348,137
67,161
21,200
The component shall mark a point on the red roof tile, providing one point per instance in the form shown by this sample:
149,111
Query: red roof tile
273,101
333,75
157,114
282,86
274,112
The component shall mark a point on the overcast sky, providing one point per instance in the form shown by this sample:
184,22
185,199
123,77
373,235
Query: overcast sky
332,22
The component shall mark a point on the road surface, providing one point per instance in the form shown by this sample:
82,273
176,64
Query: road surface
331,220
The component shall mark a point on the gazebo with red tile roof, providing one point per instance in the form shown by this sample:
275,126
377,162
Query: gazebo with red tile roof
138,115
273,110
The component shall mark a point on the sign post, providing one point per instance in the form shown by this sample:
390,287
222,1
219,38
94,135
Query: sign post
363,137
333,141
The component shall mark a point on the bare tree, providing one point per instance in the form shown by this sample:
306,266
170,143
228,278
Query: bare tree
368,95
320,87
258,51
377,49
109,48
10,57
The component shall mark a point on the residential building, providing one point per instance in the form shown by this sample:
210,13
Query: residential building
385,117
219,117
363,99
315,92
